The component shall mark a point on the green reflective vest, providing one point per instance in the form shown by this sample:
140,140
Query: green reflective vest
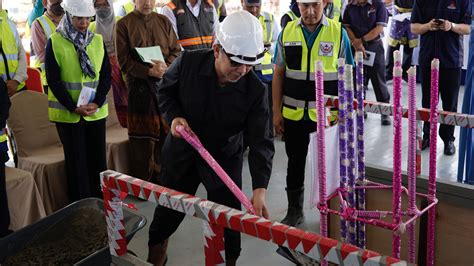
73,78
266,20
299,73
128,7
3,141
292,15
49,28
9,40
337,7
218,7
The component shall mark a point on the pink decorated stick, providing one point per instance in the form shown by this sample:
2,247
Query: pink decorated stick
321,125
432,172
361,237
194,141
397,59
397,157
342,139
351,194
412,150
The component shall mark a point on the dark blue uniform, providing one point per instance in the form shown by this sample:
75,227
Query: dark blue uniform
448,47
4,213
361,19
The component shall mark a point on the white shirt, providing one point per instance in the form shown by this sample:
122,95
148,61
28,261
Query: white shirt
194,10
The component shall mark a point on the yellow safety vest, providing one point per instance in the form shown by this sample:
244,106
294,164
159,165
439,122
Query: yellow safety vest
266,20
337,8
218,7
49,28
292,15
9,39
73,78
3,141
128,7
300,65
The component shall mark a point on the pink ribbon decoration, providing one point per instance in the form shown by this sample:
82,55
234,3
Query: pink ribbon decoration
412,161
433,150
321,127
397,157
194,141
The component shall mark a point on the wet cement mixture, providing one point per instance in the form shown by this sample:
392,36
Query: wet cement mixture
66,242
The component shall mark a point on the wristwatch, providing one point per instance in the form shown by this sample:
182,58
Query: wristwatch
453,25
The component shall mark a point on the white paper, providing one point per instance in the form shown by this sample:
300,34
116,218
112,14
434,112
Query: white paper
332,163
369,58
87,96
402,16
150,53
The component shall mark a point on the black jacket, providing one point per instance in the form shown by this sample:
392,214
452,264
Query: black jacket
219,116
4,111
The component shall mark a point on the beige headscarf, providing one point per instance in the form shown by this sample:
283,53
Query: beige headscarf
105,25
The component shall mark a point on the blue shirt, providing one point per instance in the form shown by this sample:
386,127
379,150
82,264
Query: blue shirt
447,46
361,19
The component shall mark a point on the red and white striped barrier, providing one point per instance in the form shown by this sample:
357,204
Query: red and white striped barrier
219,216
422,114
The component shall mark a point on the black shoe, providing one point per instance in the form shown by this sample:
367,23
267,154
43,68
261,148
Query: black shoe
449,148
385,121
6,233
294,216
425,144
365,114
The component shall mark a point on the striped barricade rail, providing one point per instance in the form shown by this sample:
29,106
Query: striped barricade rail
422,114
220,216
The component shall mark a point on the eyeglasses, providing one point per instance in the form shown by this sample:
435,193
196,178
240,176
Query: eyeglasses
246,58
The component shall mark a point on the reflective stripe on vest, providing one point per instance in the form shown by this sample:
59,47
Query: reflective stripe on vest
49,28
194,32
195,41
266,20
300,62
9,39
73,78
218,7
294,109
3,141
292,15
325,48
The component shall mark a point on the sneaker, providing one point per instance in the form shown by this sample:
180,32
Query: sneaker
449,148
386,121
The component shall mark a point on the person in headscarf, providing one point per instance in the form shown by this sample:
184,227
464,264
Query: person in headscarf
79,78
104,24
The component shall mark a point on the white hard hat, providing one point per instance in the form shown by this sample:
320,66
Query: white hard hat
309,1
79,8
241,37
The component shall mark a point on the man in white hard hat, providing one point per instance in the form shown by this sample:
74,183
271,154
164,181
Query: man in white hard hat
309,38
217,95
